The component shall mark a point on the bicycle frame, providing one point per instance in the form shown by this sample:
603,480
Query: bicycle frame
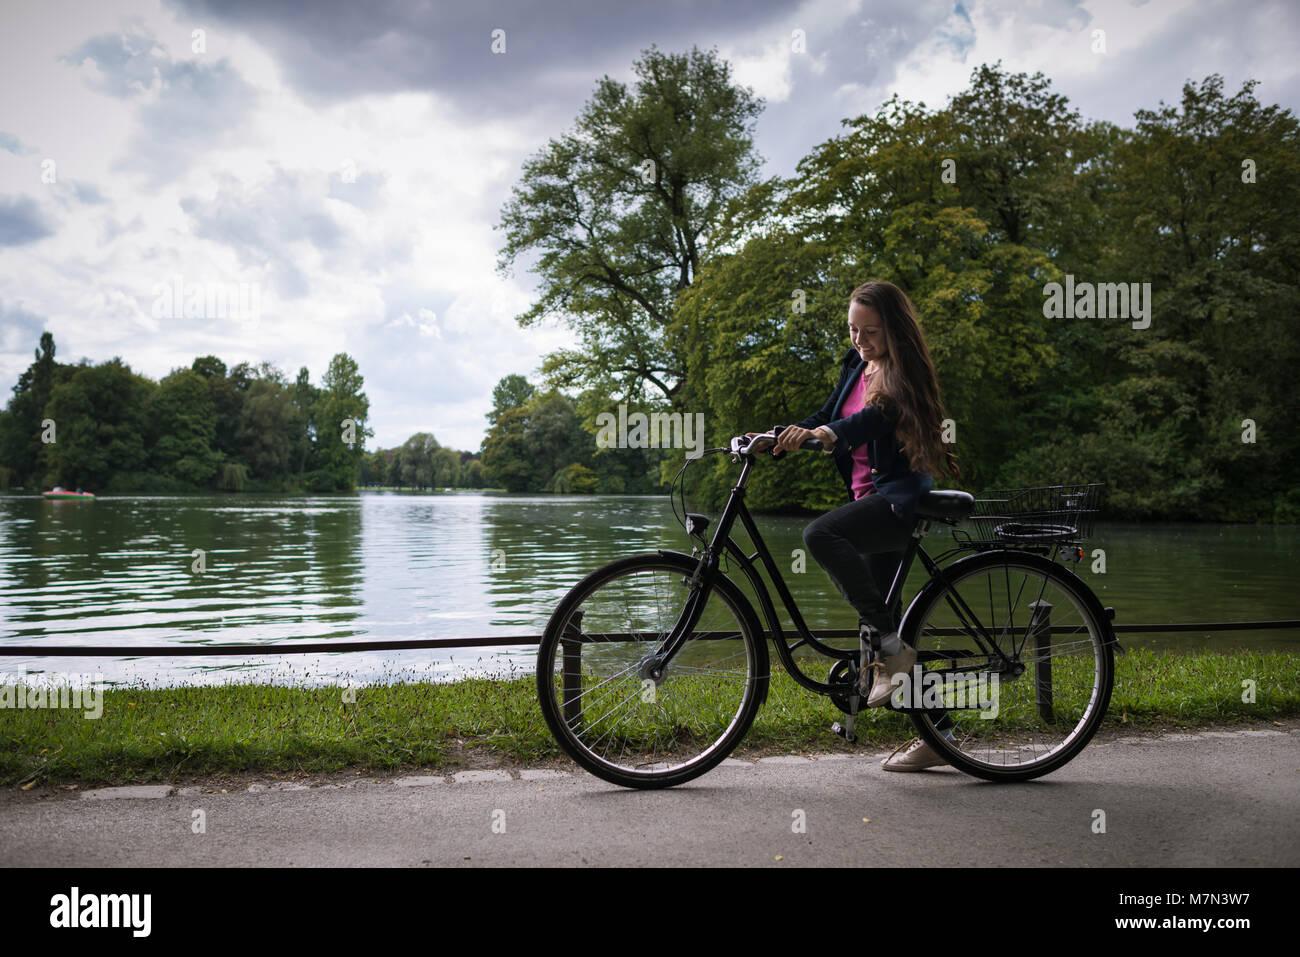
707,571
602,717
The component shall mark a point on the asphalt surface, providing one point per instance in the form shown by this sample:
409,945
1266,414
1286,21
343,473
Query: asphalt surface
1213,798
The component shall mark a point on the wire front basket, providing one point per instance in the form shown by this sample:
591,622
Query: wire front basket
1030,517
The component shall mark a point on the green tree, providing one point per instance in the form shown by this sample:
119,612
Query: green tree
472,474
763,328
446,467
395,470
181,432
575,479
556,436
373,468
1016,145
21,448
99,415
228,393
619,213
506,452
1202,200
342,410
303,440
266,429
531,443
510,393
417,460
210,367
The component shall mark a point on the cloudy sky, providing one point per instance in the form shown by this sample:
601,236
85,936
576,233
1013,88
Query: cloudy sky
347,160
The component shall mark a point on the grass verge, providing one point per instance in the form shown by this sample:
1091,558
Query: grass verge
160,734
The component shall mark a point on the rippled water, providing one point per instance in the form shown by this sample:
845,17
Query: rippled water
403,566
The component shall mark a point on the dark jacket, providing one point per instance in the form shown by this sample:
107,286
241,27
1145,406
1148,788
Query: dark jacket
890,474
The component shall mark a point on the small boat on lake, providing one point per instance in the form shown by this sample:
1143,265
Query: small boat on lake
60,492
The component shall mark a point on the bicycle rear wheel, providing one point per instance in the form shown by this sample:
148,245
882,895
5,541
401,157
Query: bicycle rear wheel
613,718
1015,651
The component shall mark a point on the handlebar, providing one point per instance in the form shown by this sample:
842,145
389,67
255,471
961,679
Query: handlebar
741,443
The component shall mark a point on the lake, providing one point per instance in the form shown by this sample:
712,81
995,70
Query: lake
386,565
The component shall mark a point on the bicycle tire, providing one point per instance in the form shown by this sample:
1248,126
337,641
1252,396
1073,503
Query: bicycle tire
1070,694
695,715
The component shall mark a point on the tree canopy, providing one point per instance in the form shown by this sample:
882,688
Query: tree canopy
973,209
203,427
618,214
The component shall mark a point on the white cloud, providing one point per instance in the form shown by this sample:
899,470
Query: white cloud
767,72
367,220
425,322
271,207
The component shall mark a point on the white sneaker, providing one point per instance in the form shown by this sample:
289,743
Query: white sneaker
917,757
883,686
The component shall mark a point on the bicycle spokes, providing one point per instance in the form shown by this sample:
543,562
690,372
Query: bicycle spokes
623,706
1012,656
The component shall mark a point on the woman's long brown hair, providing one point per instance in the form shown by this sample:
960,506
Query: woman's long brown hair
907,384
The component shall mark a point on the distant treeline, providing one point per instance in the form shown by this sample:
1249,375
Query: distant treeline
421,463
536,442
546,442
105,428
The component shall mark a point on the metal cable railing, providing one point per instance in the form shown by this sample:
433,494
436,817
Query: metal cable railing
336,647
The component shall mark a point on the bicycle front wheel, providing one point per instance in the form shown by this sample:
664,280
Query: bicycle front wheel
606,710
1014,659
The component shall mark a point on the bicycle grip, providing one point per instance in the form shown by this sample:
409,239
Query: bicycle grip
811,444
776,433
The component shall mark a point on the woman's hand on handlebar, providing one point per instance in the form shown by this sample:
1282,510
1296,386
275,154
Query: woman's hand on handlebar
791,438
826,437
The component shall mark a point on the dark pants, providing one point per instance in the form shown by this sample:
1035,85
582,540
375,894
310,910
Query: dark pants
860,545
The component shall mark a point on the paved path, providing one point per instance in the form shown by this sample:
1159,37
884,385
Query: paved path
1216,798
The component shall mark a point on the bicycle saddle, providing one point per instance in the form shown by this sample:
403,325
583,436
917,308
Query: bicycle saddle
948,505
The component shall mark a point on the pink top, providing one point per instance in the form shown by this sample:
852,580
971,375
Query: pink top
856,401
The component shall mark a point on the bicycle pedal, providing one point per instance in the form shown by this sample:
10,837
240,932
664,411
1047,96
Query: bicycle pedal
845,733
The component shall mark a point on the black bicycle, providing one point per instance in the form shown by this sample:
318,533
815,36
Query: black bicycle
652,668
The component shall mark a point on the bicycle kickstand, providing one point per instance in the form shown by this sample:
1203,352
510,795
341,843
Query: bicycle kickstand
845,730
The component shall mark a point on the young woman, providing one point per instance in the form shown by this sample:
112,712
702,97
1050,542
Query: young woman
882,423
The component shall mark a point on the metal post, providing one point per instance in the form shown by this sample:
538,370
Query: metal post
1040,626
571,665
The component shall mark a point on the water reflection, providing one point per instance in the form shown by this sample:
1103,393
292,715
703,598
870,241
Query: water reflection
405,566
